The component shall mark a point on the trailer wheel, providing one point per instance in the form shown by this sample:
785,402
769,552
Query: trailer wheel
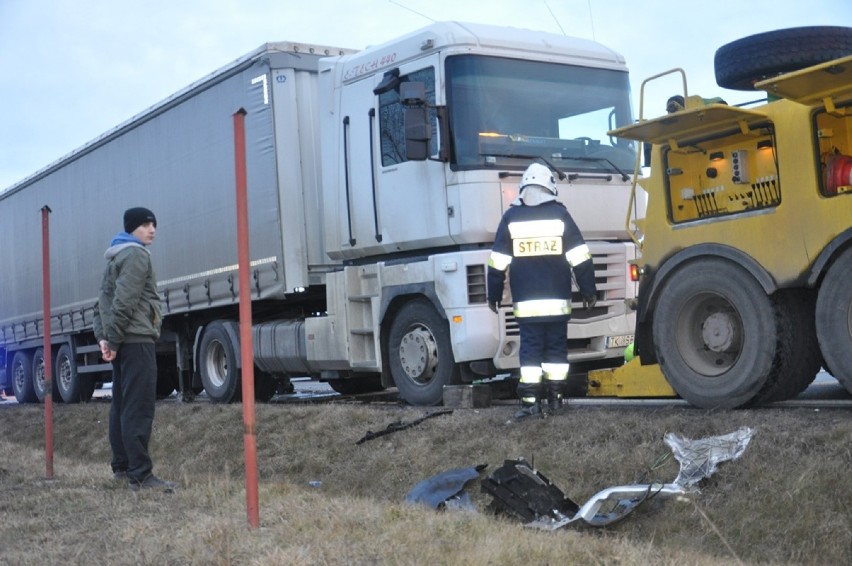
218,365
715,335
38,378
834,319
73,387
421,356
743,62
22,377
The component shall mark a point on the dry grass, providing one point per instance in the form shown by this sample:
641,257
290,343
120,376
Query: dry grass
786,501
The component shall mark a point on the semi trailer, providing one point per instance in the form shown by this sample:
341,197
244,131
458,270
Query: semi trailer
376,180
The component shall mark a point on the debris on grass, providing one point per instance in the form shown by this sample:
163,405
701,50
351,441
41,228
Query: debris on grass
400,425
446,490
527,494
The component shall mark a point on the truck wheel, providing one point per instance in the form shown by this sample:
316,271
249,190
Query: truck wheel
38,378
421,356
73,387
743,62
800,358
715,335
22,377
834,319
218,364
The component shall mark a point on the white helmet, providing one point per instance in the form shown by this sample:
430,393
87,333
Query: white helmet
538,174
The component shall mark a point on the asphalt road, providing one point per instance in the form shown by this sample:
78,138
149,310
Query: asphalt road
825,390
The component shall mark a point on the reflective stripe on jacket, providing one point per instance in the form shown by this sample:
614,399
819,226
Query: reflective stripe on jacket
541,244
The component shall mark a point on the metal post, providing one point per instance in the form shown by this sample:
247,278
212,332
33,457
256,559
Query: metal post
246,345
48,357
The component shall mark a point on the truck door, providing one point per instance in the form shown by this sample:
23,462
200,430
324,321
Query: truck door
395,204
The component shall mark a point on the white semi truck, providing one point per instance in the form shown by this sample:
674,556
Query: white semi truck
376,180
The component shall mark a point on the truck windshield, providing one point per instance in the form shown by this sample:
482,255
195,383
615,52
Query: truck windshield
503,112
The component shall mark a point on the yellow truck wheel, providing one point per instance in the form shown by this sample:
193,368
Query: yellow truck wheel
834,319
715,334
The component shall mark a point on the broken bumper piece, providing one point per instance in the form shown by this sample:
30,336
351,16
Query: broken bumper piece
619,500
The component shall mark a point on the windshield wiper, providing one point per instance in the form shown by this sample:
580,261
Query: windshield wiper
624,176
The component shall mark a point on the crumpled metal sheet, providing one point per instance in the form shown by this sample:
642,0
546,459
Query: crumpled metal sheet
444,489
700,458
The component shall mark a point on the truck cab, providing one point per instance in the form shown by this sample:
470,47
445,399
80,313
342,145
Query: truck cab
420,227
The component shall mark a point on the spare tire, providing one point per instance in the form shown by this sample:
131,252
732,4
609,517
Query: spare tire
743,62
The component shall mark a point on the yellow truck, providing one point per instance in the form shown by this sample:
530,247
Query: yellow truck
746,247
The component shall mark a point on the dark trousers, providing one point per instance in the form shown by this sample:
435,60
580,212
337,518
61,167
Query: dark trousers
543,342
131,415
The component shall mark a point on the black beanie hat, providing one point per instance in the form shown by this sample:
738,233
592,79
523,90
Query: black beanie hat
136,217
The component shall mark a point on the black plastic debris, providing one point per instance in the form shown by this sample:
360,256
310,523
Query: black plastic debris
522,491
445,490
399,425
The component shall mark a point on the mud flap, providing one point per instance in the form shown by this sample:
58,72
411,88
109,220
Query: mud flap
521,491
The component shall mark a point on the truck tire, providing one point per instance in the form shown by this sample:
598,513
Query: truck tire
715,335
22,377
38,378
218,366
421,356
834,319
743,62
798,347
73,387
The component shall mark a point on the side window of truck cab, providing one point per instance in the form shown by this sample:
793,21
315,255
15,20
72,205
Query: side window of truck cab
391,118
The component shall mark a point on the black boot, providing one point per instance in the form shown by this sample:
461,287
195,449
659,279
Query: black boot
529,410
555,396
531,395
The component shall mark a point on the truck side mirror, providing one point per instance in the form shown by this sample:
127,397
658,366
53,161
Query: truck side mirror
418,130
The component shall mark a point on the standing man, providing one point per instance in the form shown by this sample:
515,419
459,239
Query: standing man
541,242
127,325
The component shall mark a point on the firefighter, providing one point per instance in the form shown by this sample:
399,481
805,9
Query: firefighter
542,243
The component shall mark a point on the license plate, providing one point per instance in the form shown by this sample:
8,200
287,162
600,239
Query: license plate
619,341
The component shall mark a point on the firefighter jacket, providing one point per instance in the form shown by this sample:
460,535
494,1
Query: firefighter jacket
542,244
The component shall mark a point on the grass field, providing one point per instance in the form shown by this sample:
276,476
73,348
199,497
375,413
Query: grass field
785,501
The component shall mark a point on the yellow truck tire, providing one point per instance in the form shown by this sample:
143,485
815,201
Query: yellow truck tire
743,62
716,335
834,319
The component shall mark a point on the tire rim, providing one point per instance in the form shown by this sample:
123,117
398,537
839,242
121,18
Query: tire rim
418,354
64,367
20,376
39,375
217,363
709,334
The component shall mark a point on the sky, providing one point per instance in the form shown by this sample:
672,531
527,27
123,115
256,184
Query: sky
71,70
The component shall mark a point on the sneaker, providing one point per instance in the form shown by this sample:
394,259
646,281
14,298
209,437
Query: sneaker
119,475
151,482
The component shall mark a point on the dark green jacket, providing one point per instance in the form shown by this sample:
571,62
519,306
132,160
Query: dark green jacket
128,307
